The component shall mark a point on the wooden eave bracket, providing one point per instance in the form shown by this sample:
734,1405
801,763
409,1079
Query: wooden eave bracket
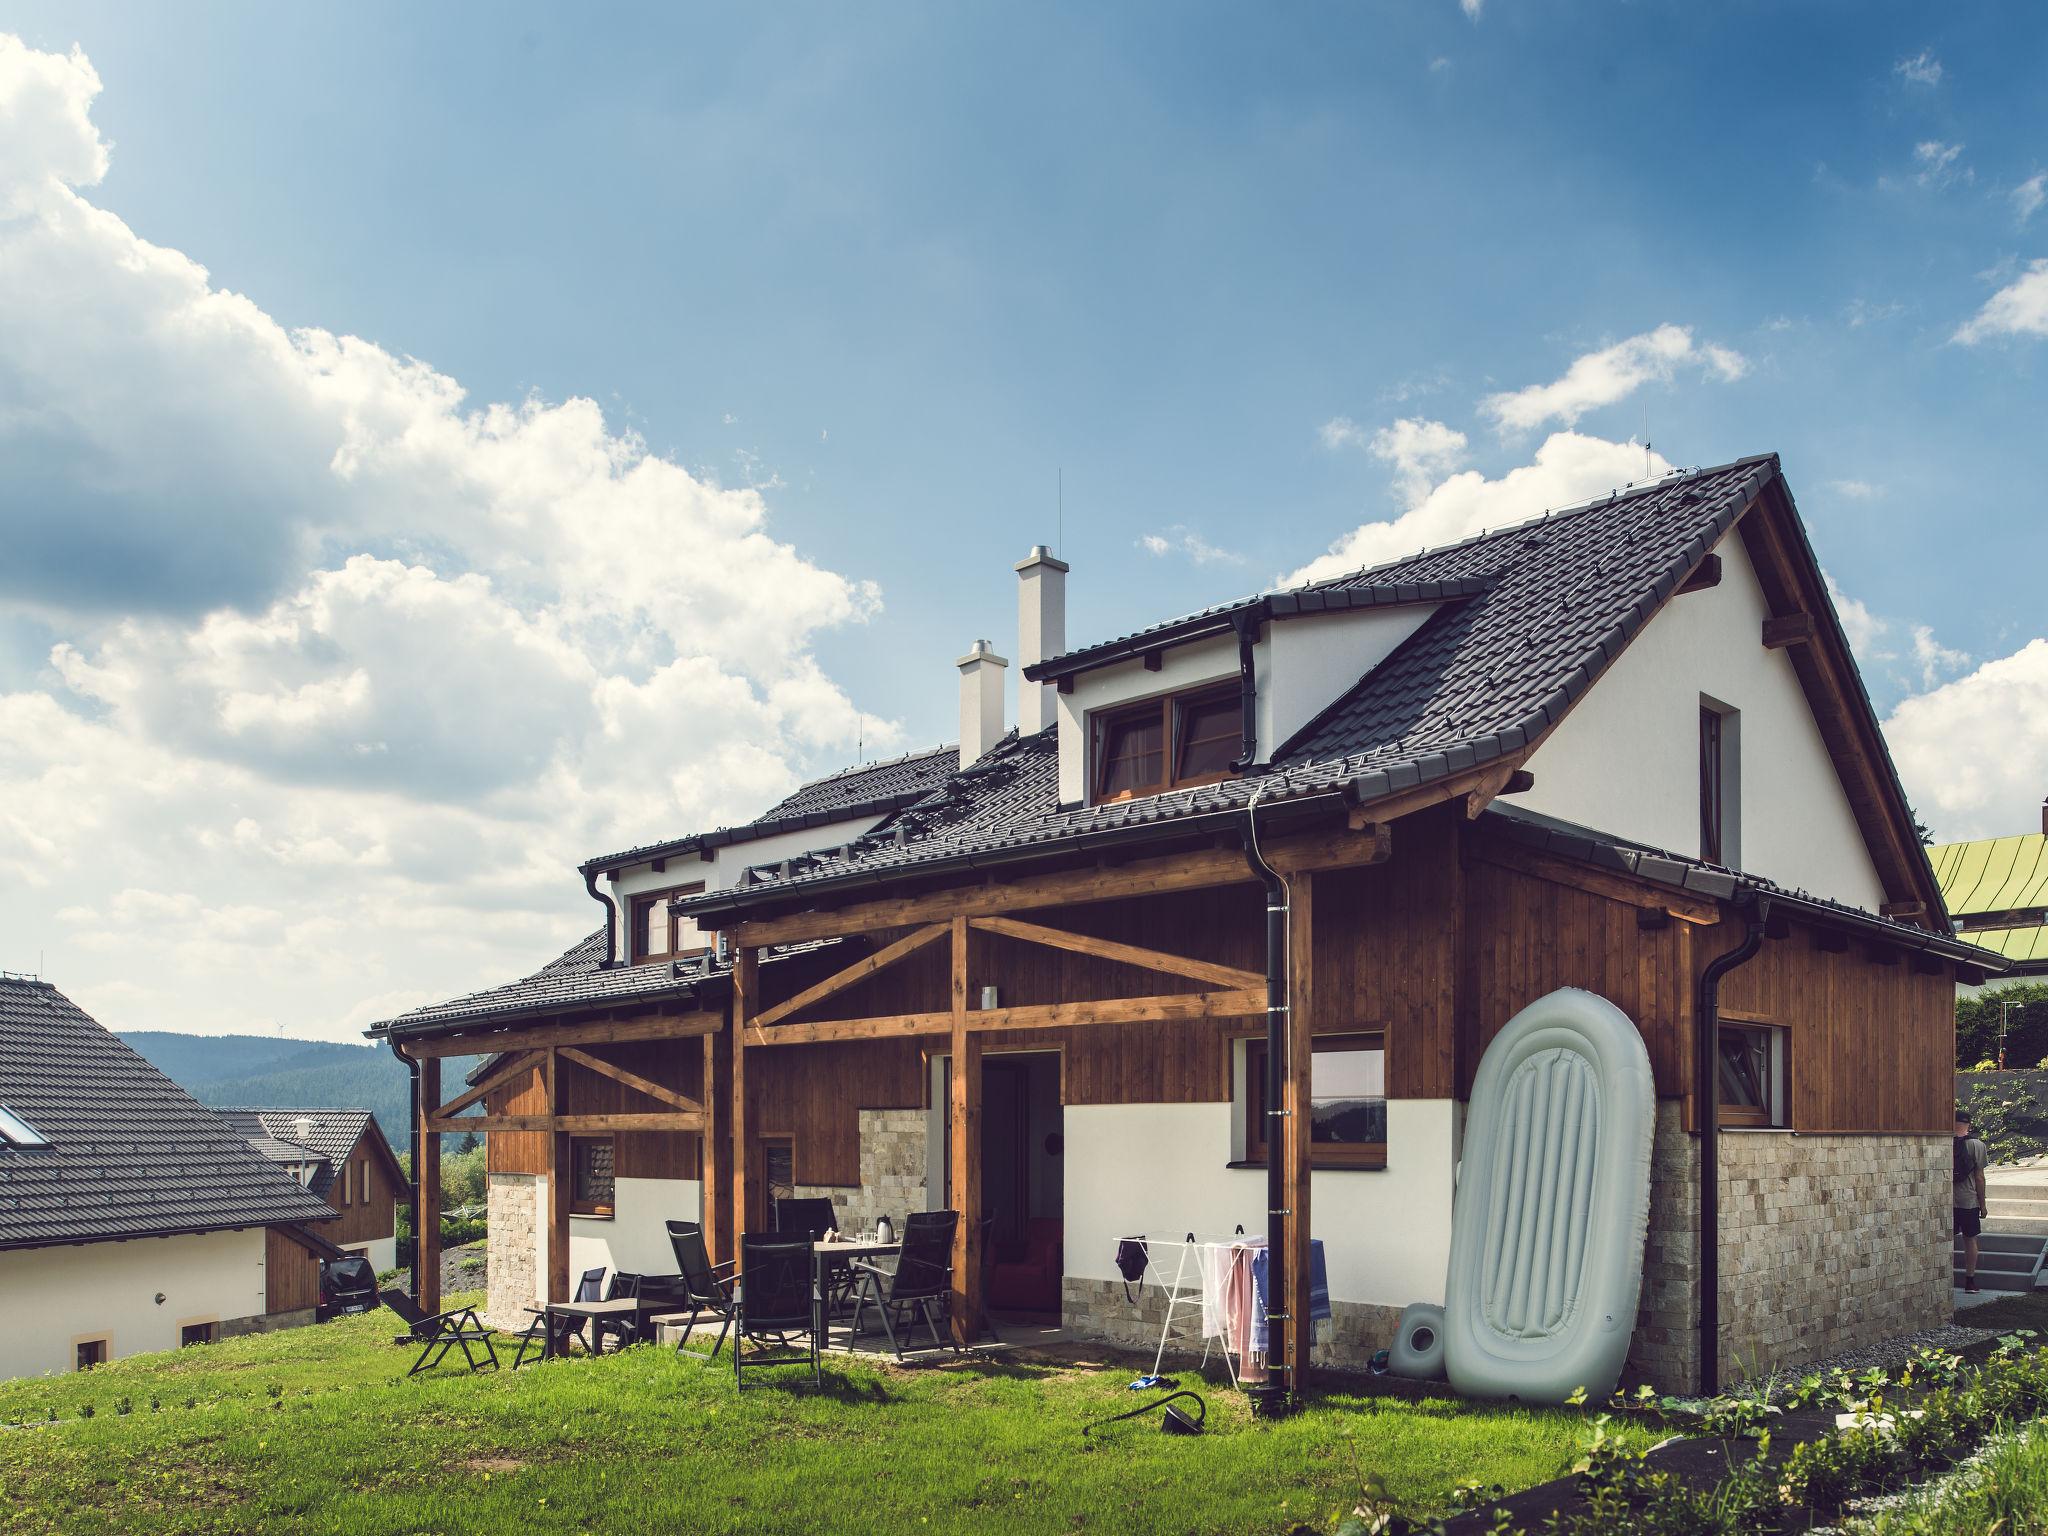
1792,629
1704,575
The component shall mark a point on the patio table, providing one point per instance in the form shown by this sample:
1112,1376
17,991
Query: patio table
823,1257
584,1311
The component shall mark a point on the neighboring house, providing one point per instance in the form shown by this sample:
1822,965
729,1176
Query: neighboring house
132,1217
342,1156
1997,892
1623,747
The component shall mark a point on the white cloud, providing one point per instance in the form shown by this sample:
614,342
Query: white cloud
1439,65
2028,196
1472,8
1182,540
1421,452
1855,490
1971,750
1862,312
1864,628
1921,69
1568,468
1341,432
1935,164
2018,309
1610,374
1935,659
350,670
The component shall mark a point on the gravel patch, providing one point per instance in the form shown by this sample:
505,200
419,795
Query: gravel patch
1893,1353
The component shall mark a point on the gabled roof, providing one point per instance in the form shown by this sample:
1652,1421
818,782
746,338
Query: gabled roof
131,1153
870,789
1530,616
1998,887
324,1137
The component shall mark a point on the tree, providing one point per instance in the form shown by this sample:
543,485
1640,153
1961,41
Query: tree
2026,1025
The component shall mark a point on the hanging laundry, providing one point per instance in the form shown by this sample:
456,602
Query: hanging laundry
1318,1289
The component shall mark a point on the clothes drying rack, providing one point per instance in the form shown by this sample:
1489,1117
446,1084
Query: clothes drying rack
1184,1293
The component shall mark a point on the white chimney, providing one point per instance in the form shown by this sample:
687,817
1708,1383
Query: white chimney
1041,631
981,701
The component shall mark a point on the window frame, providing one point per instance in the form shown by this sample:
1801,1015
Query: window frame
1356,1154
1713,784
101,1343
582,1207
211,1325
1171,709
347,1169
1775,1114
637,908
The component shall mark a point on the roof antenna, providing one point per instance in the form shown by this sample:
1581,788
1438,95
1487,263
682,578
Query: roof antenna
1060,501
1647,471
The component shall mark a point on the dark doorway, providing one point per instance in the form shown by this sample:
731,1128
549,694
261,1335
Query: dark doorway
1023,1183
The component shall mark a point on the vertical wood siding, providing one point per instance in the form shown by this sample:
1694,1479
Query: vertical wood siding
291,1273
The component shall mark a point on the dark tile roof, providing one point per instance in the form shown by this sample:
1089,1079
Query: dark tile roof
323,1136
870,789
1532,615
131,1153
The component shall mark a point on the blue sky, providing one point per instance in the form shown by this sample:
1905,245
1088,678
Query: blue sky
869,282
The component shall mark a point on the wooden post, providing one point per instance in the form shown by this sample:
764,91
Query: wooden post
426,1157
1301,1018
561,1175
746,986
714,1158
966,1119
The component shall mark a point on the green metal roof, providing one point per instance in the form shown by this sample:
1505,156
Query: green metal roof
1993,874
2022,946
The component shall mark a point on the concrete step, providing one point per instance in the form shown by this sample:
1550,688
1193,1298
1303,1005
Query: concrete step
1988,1281
2007,1242
2000,1203
2017,1226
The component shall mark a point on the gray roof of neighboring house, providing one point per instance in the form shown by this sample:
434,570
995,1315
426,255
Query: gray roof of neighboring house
131,1153
1530,616
870,789
322,1136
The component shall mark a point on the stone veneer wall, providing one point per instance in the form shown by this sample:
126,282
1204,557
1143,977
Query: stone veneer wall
1100,1310
511,1283
892,1171
1828,1243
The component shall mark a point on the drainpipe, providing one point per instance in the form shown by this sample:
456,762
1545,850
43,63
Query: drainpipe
413,1136
1247,627
1270,1400
1706,1098
611,920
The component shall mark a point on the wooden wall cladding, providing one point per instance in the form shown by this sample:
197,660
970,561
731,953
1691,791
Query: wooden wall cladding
515,1151
677,1064
815,1093
291,1273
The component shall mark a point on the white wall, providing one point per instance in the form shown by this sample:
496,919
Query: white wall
1183,666
55,1295
382,1252
1626,759
1306,663
1160,1169
635,1238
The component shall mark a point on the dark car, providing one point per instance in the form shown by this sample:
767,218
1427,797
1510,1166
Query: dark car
347,1285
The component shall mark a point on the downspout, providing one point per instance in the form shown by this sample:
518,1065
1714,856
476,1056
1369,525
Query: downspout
1270,1400
413,1137
611,919
1247,627
1706,1098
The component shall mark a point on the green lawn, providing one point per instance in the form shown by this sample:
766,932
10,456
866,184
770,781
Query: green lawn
317,1430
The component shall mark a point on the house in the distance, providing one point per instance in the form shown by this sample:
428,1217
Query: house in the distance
132,1217
342,1156
1997,892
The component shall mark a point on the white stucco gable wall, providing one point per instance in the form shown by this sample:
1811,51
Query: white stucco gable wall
1626,759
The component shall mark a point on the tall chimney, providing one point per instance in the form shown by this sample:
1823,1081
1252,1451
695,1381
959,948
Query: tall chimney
981,701
1041,631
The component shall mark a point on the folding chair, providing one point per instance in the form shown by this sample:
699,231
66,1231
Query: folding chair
624,1287
706,1287
774,1306
535,1334
458,1327
921,1287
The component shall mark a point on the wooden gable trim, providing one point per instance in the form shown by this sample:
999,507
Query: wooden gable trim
618,1074
1793,587
373,1133
1126,954
859,971
524,1061
600,1032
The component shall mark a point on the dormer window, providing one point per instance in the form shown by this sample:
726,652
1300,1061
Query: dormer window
1171,742
659,934
17,1132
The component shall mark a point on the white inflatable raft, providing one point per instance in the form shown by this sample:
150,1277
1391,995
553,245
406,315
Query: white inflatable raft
1553,1200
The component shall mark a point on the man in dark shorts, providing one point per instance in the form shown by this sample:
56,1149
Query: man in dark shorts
1971,1156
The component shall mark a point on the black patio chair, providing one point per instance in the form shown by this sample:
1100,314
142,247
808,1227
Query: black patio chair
773,1308
626,1330
535,1334
814,1216
706,1288
438,1333
921,1286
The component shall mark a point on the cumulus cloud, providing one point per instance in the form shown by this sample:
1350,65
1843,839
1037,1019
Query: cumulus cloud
1970,751
1610,374
350,668
1923,68
1568,468
2028,196
1934,659
2018,309
1421,453
1341,432
1865,629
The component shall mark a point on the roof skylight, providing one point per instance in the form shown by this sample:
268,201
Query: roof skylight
17,1132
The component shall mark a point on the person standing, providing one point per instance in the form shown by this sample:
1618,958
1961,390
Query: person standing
1971,1156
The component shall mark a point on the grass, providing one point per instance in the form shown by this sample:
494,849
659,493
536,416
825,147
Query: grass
2004,1494
318,1430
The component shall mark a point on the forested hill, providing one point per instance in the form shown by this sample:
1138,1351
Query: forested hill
259,1070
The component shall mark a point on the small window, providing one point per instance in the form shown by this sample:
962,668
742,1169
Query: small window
591,1180
1347,1102
778,1168
17,1132
658,933
197,1333
91,1352
363,1182
346,1171
1755,1076
1165,743
1720,783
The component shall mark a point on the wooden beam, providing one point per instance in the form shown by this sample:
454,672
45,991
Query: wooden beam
680,1026
1142,877
633,1080
1831,941
965,1088
561,1175
883,1027
1704,575
1299,1333
523,1062
1601,882
1792,629
1127,954
746,993
859,971
1927,965
1421,798
1240,1003
1478,798
713,1156
426,1160
1902,909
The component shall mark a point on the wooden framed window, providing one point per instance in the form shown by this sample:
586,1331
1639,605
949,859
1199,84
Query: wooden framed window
347,1169
1711,788
1347,1101
363,1182
197,1333
1755,1076
658,934
92,1351
1171,742
592,1177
